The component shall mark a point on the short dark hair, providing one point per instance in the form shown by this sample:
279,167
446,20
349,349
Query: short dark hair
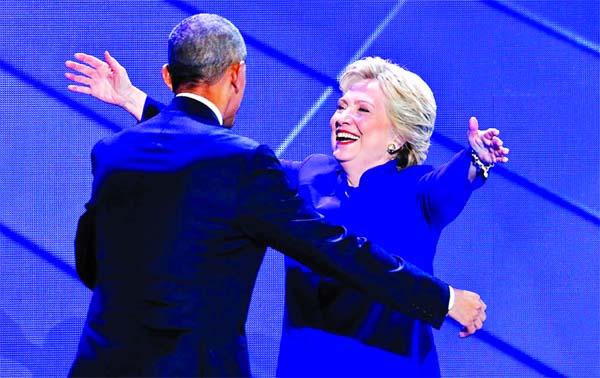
201,48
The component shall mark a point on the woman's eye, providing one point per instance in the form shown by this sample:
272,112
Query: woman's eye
364,110
340,107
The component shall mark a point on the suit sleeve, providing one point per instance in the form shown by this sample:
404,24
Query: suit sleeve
85,249
322,303
291,169
151,108
85,239
272,213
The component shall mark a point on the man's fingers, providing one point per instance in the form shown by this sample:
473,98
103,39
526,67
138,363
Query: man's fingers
78,78
81,68
89,59
466,332
112,62
469,329
478,323
79,89
469,311
475,324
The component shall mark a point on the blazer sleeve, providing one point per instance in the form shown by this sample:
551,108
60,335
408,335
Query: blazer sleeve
273,214
444,192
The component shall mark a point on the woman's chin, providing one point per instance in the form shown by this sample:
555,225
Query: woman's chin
340,155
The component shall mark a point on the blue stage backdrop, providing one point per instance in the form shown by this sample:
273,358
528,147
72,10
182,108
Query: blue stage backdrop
528,241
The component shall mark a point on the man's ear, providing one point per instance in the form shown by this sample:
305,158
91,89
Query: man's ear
166,75
238,76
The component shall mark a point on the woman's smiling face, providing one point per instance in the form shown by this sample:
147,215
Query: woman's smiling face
360,127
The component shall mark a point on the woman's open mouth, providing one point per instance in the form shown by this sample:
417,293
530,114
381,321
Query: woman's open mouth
345,137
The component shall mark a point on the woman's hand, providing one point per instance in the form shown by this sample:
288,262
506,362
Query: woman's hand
486,144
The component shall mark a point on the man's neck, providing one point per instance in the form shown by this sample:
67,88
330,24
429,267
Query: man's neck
218,94
206,102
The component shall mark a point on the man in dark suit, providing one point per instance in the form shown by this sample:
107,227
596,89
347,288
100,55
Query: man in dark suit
180,215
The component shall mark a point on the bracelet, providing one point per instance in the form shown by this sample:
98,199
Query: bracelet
482,168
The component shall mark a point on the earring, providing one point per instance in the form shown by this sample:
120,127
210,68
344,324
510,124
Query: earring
391,149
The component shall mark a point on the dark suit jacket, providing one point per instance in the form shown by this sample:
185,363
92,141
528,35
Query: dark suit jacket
181,212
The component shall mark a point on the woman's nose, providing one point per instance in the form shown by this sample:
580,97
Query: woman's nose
345,116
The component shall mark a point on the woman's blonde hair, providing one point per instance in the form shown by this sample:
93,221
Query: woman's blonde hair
409,102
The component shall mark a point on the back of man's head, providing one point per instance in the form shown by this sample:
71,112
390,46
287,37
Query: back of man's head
201,48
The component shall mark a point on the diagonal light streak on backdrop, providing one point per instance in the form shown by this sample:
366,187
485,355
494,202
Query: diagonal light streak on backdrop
329,90
549,27
266,49
568,204
60,96
38,250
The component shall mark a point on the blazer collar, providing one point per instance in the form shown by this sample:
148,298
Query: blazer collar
196,109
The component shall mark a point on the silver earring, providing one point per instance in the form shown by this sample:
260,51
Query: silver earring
391,149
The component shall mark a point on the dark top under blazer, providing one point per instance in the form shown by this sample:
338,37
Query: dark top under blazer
181,212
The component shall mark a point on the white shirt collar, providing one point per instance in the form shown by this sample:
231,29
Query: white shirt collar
206,102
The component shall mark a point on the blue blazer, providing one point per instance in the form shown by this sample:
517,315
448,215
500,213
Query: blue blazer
407,208
181,212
